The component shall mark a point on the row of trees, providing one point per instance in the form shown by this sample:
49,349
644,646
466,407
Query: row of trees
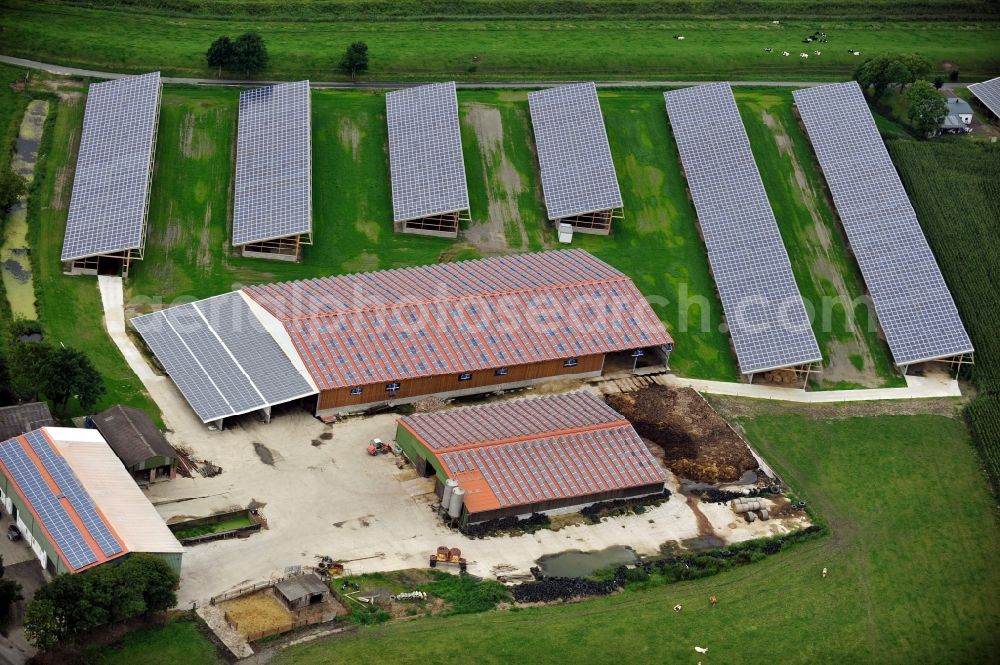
248,53
37,368
71,606
925,107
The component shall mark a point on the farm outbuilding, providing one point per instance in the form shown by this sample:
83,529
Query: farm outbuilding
302,591
514,458
75,504
353,342
137,442
21,418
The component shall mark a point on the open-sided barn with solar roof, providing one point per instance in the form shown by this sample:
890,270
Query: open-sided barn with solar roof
272,214
988,93
578,175
426,169
514,458
767,320
106,226
396,336
912,302
75,504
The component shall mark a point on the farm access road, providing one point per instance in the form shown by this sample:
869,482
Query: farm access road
380,85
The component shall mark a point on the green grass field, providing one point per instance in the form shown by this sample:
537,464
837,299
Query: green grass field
179,641
493,49
914,561
369,9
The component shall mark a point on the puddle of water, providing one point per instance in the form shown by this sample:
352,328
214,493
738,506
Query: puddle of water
15,266
575,563
702,543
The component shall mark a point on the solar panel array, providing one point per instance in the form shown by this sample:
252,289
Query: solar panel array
78,497
221,357
764,310
578,175
988,92
107,211
912,301
273,169
425,152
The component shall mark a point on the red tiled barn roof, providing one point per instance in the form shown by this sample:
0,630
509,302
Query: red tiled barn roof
460,317
527,451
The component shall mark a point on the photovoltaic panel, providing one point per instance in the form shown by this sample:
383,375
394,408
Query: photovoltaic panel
912,301
273,167
78,497
764,310
425,152
51,513
988,92
578,174
107,210
221,358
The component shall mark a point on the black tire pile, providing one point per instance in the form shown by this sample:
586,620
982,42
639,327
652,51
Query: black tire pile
552,589
505,525
714,495
595,511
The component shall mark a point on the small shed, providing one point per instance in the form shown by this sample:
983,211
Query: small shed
137,442
302,591
20,418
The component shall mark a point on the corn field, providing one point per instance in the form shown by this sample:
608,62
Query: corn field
955,188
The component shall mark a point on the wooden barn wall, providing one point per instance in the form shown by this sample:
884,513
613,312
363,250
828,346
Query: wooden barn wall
431,385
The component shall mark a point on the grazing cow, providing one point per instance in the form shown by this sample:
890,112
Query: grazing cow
701,649
678,607
713,600
824,572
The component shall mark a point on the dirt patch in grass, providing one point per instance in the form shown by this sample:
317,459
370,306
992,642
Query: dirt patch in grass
350,136
838,367
194,144
503,220
205,240
697,442
363,262
257,612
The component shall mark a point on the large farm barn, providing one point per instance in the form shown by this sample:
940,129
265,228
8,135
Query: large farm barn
75,504
519,457
353,342
106,228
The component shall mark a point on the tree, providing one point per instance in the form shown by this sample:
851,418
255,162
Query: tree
43,625
221,53
12,187
355,59
249,53
938,82
68,372
72,605
926,108
28,361
880,72
953,76
10,593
